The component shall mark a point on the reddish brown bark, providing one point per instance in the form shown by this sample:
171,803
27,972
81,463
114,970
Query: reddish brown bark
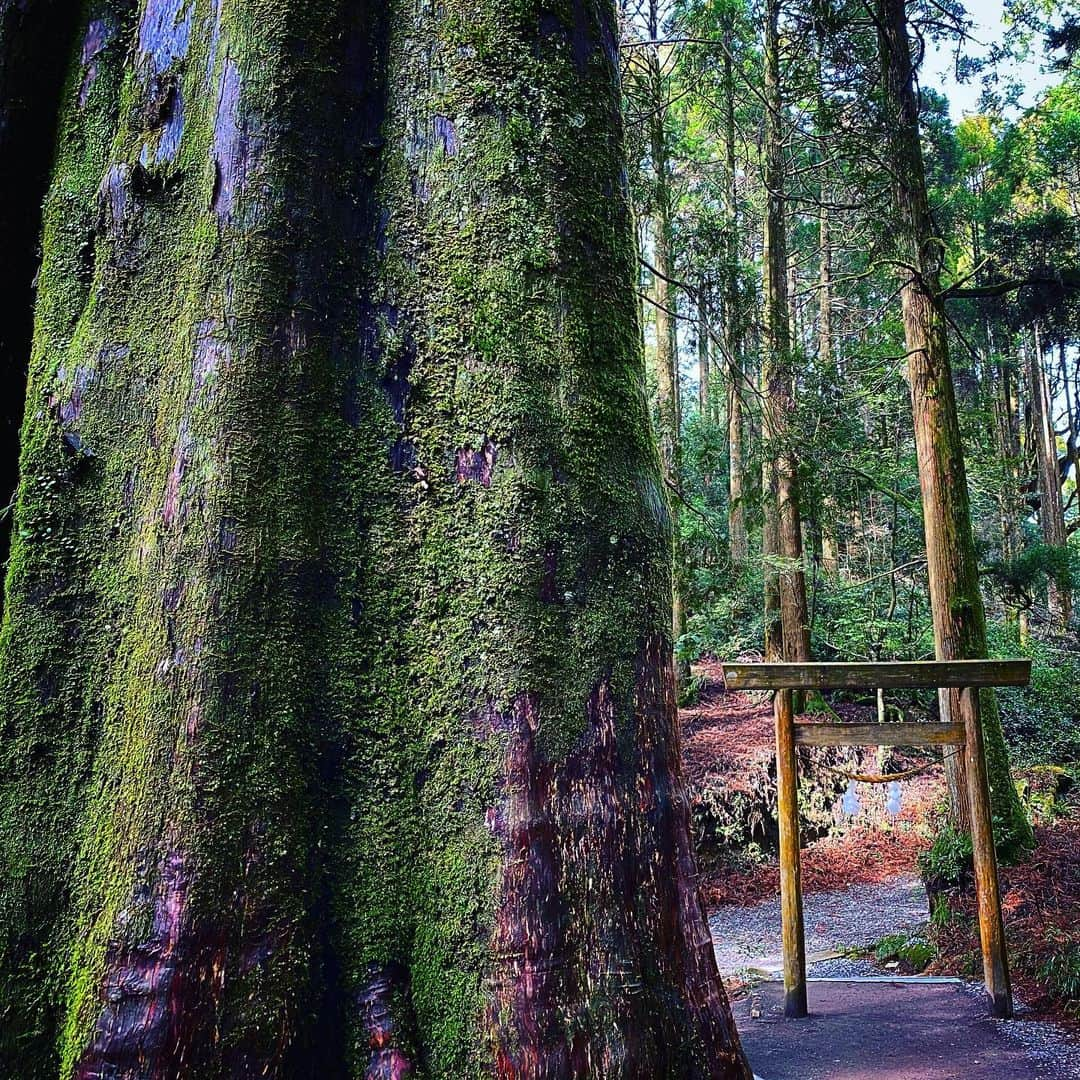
955,596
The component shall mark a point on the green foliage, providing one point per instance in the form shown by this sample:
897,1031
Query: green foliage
914,951
726,618
948,862
690,689
1041,721
1060,971
942,913
1022,577
1042,789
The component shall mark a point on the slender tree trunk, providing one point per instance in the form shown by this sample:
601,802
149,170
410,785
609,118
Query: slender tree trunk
781,471
793,308
826,356
955,596
1009,452
827,362
667,352
737,532
732,338
338,735
1071,450
1051,510
704,367
773,645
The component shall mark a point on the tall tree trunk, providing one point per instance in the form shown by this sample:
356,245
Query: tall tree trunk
1051,509
792,306
1067,387
955,596
667,352
36,38
781,471
773,643
704,367
339,725
827,362
826,356
1008,439
732,338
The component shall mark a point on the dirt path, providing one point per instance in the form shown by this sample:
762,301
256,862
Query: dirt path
872,1030
898,1031
863,1025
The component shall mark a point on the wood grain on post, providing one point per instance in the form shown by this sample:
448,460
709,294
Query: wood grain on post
787,813
906,734
897,675
991,925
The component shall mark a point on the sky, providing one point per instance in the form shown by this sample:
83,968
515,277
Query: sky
938,69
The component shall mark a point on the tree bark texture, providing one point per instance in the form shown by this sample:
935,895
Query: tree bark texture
955,597
338,735
704,365
35,44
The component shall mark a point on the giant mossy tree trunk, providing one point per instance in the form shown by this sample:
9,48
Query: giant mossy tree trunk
952,565
338,712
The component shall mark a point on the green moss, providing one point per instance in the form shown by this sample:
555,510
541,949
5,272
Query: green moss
284,618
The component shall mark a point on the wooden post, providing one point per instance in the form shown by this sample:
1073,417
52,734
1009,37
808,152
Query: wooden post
787,813
991,926
966,676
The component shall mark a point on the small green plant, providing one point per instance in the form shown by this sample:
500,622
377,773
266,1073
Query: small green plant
912,950
1061,973
942,912
948,862
690,690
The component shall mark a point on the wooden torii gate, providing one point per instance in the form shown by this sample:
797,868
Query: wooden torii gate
964,675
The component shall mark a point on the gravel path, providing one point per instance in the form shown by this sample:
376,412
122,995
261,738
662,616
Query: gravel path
748,938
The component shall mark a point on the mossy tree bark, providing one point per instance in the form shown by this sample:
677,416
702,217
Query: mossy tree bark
785,579
35,40
338,735
955,596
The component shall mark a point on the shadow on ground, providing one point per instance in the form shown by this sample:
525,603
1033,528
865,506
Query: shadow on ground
898,1031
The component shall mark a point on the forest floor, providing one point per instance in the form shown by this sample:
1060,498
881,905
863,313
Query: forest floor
861,885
